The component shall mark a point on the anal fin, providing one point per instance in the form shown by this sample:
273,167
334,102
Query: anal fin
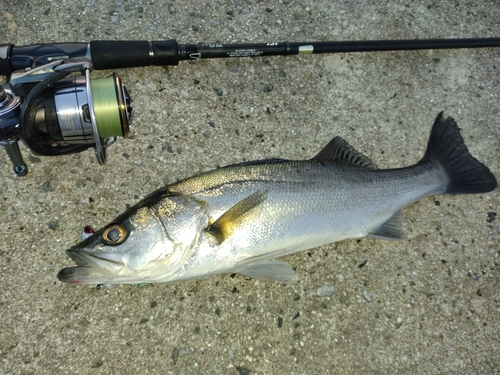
270,270
392,229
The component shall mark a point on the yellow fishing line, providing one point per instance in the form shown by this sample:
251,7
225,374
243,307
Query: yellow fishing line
106,107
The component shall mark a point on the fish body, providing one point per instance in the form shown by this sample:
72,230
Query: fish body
239,218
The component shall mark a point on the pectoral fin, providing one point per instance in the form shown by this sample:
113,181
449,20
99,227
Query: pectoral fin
392,229
235,217
270,270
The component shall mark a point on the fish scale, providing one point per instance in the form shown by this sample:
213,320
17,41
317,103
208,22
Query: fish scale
297,214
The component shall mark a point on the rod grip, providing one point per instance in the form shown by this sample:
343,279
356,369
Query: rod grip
114,54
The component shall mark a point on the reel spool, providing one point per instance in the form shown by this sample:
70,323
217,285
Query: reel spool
76,113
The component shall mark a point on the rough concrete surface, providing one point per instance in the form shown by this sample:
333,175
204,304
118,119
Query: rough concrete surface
427,305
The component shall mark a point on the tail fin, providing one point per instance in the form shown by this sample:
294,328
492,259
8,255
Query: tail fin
466,174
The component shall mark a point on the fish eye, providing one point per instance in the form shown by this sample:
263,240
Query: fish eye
115,234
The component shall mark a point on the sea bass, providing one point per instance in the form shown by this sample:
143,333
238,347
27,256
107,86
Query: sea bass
239,218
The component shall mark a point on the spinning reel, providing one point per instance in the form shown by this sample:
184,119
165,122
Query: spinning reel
57,109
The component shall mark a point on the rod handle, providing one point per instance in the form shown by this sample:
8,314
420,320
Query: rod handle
116,54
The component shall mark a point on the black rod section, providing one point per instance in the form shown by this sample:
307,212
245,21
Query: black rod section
396,45
217,50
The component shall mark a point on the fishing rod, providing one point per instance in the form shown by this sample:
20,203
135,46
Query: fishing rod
127,54
53,105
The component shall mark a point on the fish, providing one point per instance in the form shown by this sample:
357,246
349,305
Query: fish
240,218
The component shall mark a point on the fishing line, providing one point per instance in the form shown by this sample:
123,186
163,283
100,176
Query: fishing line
107,106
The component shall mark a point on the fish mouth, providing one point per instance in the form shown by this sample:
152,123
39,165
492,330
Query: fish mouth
91,268
84,258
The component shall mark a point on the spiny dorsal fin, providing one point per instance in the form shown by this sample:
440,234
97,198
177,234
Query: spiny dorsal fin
235,217
338,150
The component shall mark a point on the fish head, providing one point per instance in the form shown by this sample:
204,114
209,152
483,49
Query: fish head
147,243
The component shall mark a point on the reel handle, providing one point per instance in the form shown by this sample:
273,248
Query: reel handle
10,130
15,156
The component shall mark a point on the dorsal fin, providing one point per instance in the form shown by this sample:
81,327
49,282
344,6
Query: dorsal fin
338,150
257,162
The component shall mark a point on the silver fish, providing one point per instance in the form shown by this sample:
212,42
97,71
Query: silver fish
239,218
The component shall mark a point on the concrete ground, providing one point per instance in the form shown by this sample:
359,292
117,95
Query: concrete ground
426,305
